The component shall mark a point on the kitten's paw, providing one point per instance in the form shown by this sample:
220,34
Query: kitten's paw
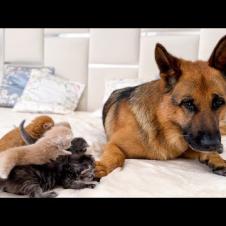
3,175
91,185
49,194
100,169
96,179
64,152
221,172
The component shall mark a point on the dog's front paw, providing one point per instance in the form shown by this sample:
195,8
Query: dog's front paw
100,169
221,172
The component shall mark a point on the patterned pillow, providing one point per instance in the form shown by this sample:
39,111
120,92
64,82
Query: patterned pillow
14,81
49,94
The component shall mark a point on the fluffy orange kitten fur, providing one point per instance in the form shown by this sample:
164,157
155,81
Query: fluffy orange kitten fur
36,129
49,147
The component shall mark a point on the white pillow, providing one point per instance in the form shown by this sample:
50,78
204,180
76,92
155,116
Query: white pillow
112,85
45,93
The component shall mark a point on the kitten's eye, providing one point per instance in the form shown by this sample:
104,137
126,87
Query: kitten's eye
189,105
217,102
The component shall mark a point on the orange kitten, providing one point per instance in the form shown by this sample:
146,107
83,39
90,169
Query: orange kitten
49,147
36,129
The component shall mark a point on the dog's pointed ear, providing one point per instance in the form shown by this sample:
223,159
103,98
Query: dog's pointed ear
168,65
218,56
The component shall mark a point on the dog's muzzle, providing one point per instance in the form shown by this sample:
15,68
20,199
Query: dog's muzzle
205,142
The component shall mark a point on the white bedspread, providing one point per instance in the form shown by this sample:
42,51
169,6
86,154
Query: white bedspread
138,178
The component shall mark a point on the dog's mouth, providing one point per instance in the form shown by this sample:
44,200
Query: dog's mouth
204,142
219,149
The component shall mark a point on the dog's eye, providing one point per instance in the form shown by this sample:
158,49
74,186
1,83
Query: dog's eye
189,105
217,102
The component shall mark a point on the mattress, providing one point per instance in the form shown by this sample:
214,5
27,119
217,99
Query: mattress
138,178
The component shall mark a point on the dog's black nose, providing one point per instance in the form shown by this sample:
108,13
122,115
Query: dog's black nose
204,141
208,141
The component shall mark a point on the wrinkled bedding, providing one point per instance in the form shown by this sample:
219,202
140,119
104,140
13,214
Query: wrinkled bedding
138,178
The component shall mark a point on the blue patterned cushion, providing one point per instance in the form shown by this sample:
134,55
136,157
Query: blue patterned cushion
14,81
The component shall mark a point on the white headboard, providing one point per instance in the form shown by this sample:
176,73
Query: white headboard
92,56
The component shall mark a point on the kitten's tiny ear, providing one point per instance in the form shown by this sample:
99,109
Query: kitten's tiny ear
168,65
218,56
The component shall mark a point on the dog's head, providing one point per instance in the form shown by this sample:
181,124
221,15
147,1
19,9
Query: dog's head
195,93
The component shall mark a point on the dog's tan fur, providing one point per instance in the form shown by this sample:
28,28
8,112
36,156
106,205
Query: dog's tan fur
146,122
36,129
49,147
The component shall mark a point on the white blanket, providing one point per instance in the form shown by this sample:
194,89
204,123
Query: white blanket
138,178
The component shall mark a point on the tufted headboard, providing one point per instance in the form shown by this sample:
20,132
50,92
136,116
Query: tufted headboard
92,56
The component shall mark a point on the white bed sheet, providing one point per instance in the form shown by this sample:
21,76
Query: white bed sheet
138,178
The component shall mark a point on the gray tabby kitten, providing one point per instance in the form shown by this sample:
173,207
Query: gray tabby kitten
74,171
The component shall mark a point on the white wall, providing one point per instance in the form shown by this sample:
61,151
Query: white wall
93,56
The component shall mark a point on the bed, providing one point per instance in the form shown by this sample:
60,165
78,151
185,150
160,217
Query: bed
92,57
138,178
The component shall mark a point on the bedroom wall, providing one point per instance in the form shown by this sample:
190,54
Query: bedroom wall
93,56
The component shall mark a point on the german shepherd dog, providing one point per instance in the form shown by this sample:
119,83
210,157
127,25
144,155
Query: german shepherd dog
175,116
